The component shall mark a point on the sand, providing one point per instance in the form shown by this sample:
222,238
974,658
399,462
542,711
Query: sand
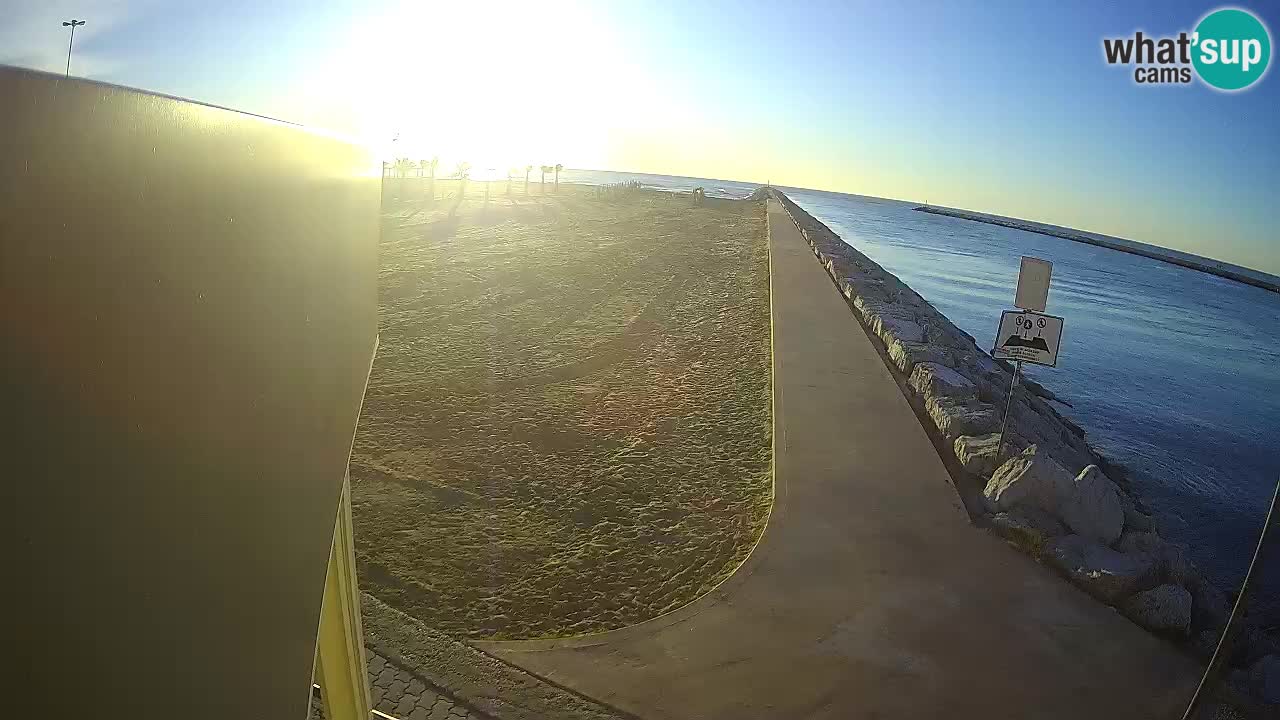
567,428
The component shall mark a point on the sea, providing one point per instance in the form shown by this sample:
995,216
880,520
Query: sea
1172,372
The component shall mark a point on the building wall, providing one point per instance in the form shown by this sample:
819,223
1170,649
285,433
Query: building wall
188,312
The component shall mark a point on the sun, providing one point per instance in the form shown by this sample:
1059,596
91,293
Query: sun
499,84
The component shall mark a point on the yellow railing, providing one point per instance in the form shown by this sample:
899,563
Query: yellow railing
340,659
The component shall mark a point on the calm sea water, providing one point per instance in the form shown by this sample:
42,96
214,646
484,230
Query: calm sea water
1173,373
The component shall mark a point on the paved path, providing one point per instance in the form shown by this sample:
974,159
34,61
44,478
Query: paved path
405,696
870,595
418,672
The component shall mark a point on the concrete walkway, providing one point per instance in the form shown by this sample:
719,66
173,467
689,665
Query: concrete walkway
870,595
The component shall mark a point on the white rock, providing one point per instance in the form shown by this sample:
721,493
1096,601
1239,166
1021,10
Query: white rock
869,288
1097,569
847,288
941,381
877,312
954,418
977,453
898,328
1027,527
1030,478
944,333
1092,507
874,311
905,355
1165,608
1070,458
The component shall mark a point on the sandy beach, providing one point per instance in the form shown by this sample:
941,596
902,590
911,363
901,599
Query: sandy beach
567,428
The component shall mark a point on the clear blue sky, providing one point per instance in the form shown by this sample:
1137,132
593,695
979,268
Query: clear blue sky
999,107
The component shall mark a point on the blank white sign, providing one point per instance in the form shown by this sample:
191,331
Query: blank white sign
1033,284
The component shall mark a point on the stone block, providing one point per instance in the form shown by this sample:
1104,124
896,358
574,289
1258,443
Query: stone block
905,355
1027,527
1030,478
890,327
954,418
937,380
977,453
1166,608
1098,570
1092,508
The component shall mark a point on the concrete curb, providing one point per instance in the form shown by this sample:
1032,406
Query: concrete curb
475,678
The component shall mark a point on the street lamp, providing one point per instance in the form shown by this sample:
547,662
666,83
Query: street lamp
73,24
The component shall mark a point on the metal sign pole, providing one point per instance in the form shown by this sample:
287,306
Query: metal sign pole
1008,407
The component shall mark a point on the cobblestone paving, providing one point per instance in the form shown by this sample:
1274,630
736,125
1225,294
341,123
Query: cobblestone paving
402,695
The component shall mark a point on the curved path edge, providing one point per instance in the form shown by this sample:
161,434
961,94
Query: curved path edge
777,508
872,595
487,685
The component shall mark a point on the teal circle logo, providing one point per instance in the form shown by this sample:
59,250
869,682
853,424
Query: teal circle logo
1232,49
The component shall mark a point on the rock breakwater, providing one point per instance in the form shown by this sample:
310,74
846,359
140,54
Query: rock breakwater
1050,494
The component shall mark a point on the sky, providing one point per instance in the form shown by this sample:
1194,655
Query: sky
1001,107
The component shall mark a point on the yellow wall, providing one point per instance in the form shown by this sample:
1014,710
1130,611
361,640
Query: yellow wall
188,310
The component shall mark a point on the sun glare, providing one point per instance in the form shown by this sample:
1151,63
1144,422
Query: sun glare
499,85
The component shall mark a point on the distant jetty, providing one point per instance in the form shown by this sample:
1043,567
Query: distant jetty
1173,257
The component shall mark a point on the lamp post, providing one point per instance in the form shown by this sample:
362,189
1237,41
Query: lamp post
73,24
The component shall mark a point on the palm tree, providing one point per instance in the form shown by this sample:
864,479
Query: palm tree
545,169
429,168
403,166
463,173
559,167
527,170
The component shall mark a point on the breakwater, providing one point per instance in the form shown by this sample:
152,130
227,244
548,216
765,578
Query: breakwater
1173,257
1051,495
